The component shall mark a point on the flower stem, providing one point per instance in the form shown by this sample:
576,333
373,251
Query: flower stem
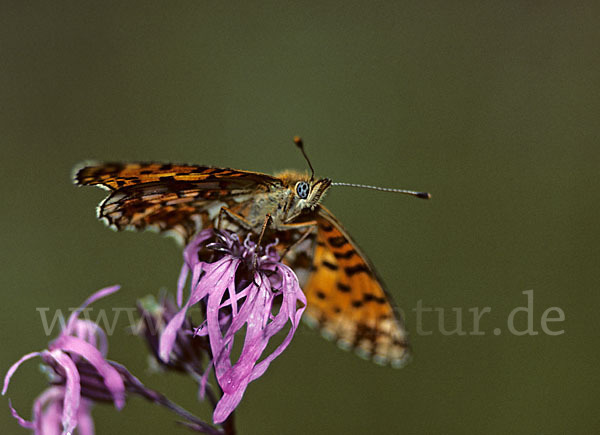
229,424
135,386
196,423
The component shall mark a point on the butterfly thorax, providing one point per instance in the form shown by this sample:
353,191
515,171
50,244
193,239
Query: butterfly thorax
286,201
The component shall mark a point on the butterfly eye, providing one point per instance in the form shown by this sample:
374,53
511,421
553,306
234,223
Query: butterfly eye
302,189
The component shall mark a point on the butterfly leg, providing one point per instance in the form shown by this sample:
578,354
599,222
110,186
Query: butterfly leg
234,217
264,228
260,237
298,225
310,228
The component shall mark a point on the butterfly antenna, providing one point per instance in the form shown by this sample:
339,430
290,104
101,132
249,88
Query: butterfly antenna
423,195
300,144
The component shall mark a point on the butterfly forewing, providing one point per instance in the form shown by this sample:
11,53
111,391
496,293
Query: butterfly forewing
114,176
347,299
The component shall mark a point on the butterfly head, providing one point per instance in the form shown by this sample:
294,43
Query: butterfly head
309,192
302,193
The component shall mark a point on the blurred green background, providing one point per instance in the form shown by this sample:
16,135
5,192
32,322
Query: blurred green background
491,106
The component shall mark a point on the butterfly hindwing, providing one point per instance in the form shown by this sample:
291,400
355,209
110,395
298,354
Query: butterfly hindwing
348,300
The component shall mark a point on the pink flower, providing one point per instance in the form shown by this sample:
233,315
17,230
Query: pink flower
64,406
238,285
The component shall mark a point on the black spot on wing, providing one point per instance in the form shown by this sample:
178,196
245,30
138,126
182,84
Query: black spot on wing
166,178
343,287
327,228
368,297
345,255
329,265
337,242
359,268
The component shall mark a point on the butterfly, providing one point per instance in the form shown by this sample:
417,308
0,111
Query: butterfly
346,298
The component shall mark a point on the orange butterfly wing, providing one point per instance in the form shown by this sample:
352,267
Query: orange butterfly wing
181,199
114,176
347,300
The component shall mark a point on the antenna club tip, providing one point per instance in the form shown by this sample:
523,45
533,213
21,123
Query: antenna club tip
424,195
298,140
